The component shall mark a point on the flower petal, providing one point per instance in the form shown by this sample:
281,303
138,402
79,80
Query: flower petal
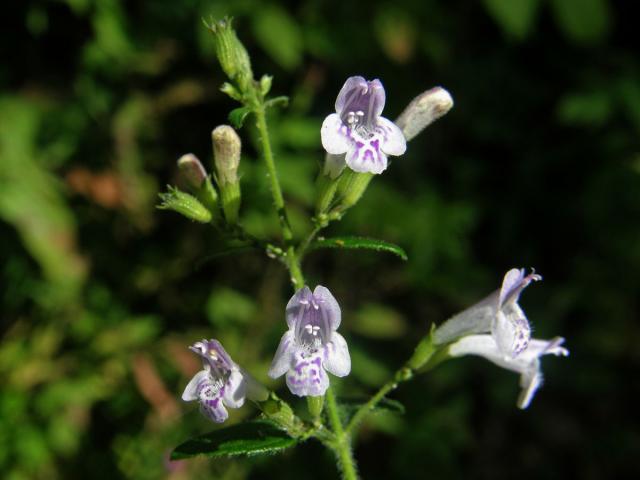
353,85
511,330
335,135
393,141
336,356
513,283
214,409
365,156
282,359
296,306
328,306
307,377
195,384
530,381
333,165
235,390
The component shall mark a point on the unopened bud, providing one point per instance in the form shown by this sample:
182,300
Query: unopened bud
226,153
226,156
232,55
351,186
423,110
192,170
185,204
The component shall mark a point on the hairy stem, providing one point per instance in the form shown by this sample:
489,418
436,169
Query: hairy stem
293,263
342,444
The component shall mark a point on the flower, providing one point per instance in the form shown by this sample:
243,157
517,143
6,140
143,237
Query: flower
358,130
508,341
311,345
221,383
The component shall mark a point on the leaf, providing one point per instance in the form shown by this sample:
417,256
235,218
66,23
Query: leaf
248,438
359,242
281,101
238,115
515,17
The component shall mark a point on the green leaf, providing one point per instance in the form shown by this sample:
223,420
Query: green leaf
515,17
238,115
281,101
248,438
359,242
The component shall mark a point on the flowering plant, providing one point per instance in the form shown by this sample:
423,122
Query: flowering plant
357,141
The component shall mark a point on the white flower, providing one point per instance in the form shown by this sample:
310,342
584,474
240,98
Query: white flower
507,341
311,345
358,130
221,383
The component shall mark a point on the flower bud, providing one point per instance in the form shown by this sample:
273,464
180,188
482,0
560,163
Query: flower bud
192,170
199,182
184,204
226,155
423,110
232,55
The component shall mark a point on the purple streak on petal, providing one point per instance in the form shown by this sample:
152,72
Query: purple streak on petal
304,379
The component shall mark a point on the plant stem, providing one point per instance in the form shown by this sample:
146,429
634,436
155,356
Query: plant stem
293,263
367,407
342,444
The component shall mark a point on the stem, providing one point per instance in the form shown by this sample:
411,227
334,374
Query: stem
304,245
342,444
370,405
293,263
276,191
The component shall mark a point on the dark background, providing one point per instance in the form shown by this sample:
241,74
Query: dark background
537,165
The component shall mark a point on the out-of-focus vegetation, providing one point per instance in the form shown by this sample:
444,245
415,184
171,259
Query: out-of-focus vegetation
538,164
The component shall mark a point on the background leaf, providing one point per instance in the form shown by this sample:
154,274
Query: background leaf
249,438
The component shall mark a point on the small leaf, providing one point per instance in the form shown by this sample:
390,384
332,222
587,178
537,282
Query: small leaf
238,115
281,101
248,438
359,242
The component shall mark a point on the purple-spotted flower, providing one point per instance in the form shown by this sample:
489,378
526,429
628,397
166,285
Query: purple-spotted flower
221,383
311,345
358,130
498,330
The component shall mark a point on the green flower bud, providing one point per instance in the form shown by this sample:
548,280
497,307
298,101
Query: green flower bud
315,405
184,204
226,156
232,55
351,186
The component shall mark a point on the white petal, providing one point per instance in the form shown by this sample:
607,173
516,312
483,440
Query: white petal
530,381
235,390
191,391
214,410
393,142
365,156
511,282
335,135
306,376
329,306
336,356
538,347
282,359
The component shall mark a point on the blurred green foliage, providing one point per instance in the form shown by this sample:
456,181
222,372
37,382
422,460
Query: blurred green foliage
538,164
